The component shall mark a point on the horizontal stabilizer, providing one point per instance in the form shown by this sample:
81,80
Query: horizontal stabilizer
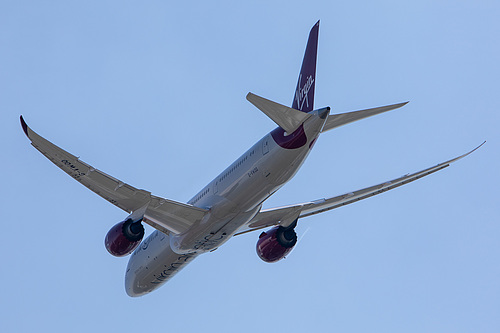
337,120
287,118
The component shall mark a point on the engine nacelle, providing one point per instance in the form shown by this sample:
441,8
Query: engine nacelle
276,243
124,238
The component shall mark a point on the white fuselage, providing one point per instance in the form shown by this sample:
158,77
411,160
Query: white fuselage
233,198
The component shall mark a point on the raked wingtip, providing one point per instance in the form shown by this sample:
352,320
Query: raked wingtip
24,126
467,154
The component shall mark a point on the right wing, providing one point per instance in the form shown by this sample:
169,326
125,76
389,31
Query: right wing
288,214
165,215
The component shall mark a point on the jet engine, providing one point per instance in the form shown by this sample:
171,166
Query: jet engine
276,243
124,238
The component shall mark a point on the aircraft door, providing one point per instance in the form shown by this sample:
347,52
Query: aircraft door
265,146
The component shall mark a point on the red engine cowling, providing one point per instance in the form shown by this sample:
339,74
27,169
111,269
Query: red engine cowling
276,243
124,237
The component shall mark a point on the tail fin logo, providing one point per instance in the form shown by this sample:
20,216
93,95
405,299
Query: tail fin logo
302,93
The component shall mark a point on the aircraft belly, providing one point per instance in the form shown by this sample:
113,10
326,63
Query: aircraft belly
283,165
243,202
212,233
273,171
153,264
161,256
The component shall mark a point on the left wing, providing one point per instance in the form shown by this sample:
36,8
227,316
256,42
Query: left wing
162,214
288,214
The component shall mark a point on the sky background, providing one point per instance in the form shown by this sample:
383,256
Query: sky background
153,93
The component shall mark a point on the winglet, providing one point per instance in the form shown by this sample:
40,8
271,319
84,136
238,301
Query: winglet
24,126
466,154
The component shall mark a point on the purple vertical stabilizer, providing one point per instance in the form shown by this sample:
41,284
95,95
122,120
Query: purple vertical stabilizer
304,93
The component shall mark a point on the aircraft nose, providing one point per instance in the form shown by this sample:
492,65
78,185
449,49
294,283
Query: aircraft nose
132,286
129,285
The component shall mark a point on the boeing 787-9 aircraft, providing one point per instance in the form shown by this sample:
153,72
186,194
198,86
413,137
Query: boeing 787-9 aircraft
231,204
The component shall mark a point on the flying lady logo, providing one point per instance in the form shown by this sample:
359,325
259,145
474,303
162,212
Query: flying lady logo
301,95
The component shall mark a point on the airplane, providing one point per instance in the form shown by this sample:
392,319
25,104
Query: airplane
231,204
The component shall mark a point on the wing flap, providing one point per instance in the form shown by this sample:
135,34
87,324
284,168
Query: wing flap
162,214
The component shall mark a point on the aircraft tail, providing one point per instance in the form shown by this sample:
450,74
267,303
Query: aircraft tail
304,93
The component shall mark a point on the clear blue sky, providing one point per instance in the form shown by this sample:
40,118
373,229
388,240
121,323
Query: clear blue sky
153,93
